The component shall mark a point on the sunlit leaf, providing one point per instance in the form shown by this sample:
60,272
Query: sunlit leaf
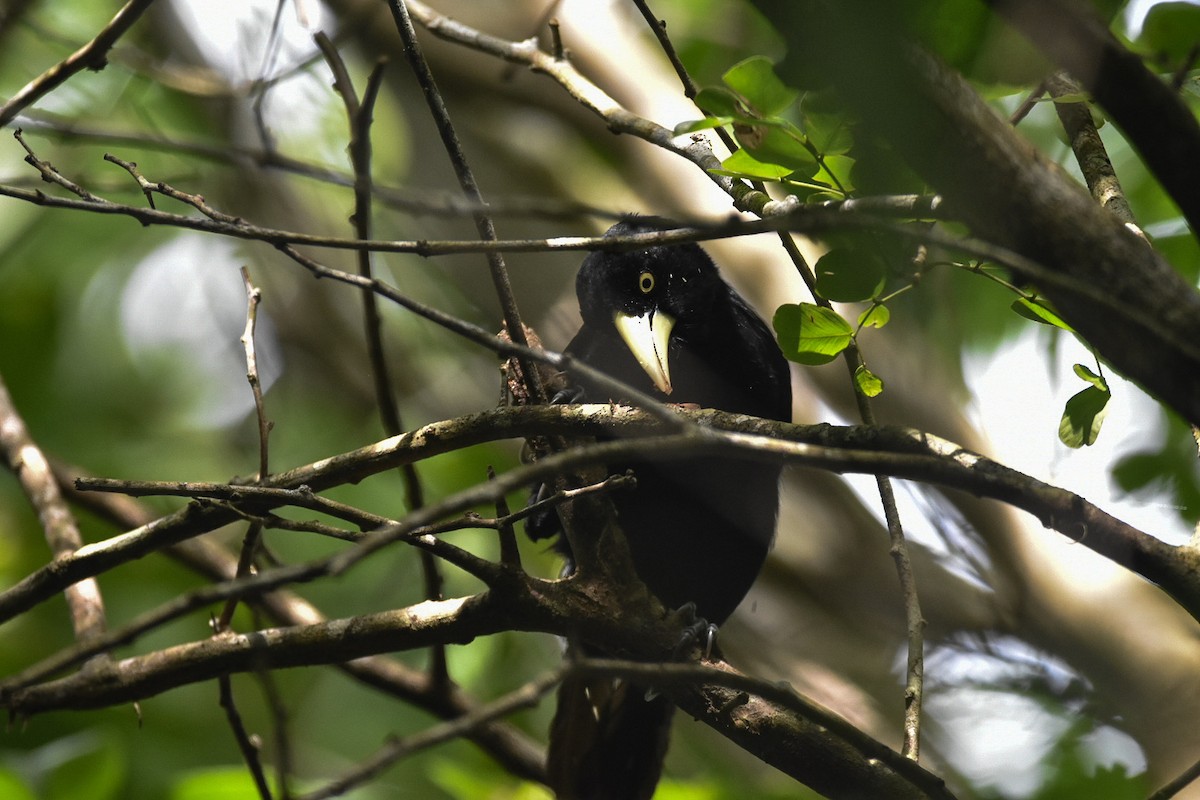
835,171
755,80
1039,311
1086,374
777,145
694,125
810,334
874,317
867,382
1083,416
742,164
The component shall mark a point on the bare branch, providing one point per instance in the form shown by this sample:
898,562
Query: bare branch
1090,153
509,746
26,460
247,748
898,452
466,179
250,541
92,55
527,696
420,202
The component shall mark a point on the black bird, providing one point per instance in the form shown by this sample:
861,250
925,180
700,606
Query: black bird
663,321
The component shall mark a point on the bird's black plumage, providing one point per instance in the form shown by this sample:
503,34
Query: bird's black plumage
698,529
663,321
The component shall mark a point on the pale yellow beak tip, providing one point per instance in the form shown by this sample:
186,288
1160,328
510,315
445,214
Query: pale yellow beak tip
648,337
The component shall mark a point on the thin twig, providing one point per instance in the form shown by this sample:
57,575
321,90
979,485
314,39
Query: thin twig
360,116
250,542
511,748
279,723
248,748
92,55
466,179
1028,104
509,554
417,202
527,696
51,175
1177,784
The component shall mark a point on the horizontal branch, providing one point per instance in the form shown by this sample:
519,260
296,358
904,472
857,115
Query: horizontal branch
423,202
856,214
330,642
899,452
779,723
804,219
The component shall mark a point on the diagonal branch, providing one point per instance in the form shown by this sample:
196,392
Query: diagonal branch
92,55
1151,113
22,455
1006,191
508,746
466,179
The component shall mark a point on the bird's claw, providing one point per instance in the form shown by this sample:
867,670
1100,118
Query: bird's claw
567,396
696,629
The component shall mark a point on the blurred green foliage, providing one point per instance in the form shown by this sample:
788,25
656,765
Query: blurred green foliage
96,395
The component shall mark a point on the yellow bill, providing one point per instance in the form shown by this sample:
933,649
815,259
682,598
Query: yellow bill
647,337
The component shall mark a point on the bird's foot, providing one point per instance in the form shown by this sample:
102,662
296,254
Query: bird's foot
696,630
567,396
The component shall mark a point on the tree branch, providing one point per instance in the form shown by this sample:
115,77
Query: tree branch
509,746
26,460
92,55
1156,120
1007,192
898,452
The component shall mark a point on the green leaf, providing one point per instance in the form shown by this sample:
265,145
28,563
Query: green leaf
716,101
848,275
743,165
694,125
1086,374
839,166
874,317
13,788
1039,311
780,145
755,80
1083,416
1170,30
867,382
809,334
829,133
216,783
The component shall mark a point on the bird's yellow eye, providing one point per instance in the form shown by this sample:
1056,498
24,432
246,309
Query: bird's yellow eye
646,282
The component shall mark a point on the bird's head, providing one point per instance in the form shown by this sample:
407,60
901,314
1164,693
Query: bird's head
645,296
